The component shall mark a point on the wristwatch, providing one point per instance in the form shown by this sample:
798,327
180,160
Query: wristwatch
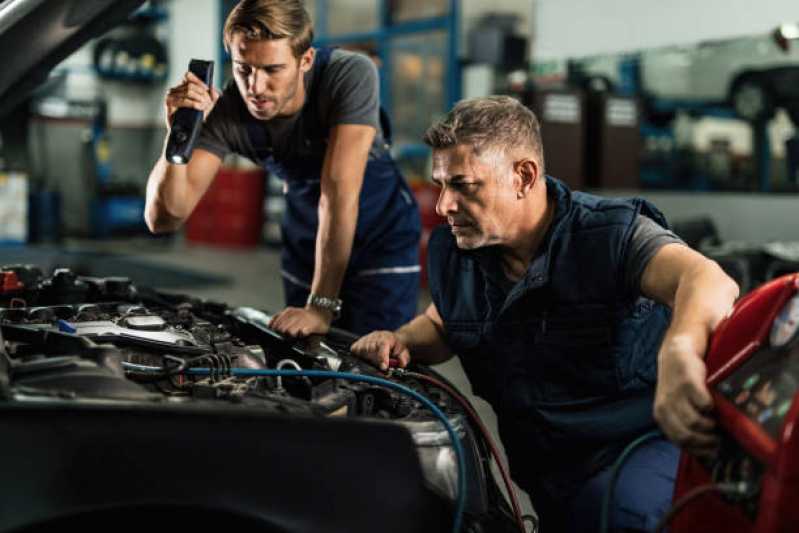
323,302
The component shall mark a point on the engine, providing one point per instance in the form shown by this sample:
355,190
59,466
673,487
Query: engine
79,340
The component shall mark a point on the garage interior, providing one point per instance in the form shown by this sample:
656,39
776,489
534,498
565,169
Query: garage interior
692,106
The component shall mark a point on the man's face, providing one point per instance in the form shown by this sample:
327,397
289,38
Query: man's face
477,195
268,75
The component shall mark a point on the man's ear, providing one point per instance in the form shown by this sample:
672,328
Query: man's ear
527,173
307,59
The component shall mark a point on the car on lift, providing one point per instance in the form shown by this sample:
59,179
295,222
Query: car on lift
126,407
754,75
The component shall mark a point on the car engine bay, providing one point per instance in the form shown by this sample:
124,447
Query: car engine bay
80,342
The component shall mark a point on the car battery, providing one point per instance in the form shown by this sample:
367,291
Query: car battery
753,376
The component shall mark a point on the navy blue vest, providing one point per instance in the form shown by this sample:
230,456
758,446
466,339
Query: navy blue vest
566,358
388,227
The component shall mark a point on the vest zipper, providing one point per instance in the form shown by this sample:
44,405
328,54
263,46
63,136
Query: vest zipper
544,323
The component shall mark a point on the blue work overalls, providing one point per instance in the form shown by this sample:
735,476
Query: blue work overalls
380,288
566,357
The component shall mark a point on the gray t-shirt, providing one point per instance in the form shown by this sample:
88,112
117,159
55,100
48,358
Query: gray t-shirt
647,238
349,94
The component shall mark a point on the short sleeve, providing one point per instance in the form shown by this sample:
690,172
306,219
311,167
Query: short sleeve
220,133
354,87
646,239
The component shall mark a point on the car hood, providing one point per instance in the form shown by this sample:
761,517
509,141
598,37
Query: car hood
38,34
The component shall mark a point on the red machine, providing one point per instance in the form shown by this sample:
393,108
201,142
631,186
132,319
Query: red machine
753,375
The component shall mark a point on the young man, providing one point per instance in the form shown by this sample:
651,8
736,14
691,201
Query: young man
351,227
565,309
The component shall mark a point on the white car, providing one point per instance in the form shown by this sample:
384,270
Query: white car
752,74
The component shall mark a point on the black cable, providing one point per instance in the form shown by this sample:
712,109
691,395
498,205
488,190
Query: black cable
194,360
738,489
214,364
517,512
224,364
219,365
607,500
229,363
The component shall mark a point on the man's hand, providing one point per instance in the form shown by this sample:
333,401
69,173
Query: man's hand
380,346
193,93
301,322
682,401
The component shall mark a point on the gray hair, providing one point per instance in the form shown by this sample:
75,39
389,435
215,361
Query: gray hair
490,123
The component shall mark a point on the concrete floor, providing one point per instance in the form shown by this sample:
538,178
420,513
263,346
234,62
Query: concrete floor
255,281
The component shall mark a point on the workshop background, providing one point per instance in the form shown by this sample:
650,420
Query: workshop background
692,105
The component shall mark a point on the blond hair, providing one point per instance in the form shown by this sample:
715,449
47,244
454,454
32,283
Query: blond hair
271,19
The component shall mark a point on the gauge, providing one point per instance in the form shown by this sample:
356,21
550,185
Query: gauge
786,324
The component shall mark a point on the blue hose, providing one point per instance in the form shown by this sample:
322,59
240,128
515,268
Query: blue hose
456,443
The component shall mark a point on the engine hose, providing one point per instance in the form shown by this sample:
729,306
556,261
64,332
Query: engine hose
283,363
164,372
456,443
607,499
503,470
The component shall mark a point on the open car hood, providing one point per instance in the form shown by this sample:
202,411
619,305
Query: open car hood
37,35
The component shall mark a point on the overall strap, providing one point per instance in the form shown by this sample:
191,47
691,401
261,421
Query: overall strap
385,125
320,62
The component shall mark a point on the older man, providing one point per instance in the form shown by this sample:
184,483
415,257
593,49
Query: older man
576,317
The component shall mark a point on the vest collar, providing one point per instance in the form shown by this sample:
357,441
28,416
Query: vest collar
537,274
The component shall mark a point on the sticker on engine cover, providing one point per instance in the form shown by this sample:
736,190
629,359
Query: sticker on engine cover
786,323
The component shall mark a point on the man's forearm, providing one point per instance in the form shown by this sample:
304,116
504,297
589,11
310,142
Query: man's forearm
173,191
701,295
705,294
338,217
167,188
424,340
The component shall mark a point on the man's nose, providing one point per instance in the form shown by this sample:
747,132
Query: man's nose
446,203
258,81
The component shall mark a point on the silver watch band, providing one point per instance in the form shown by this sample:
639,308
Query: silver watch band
323,302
